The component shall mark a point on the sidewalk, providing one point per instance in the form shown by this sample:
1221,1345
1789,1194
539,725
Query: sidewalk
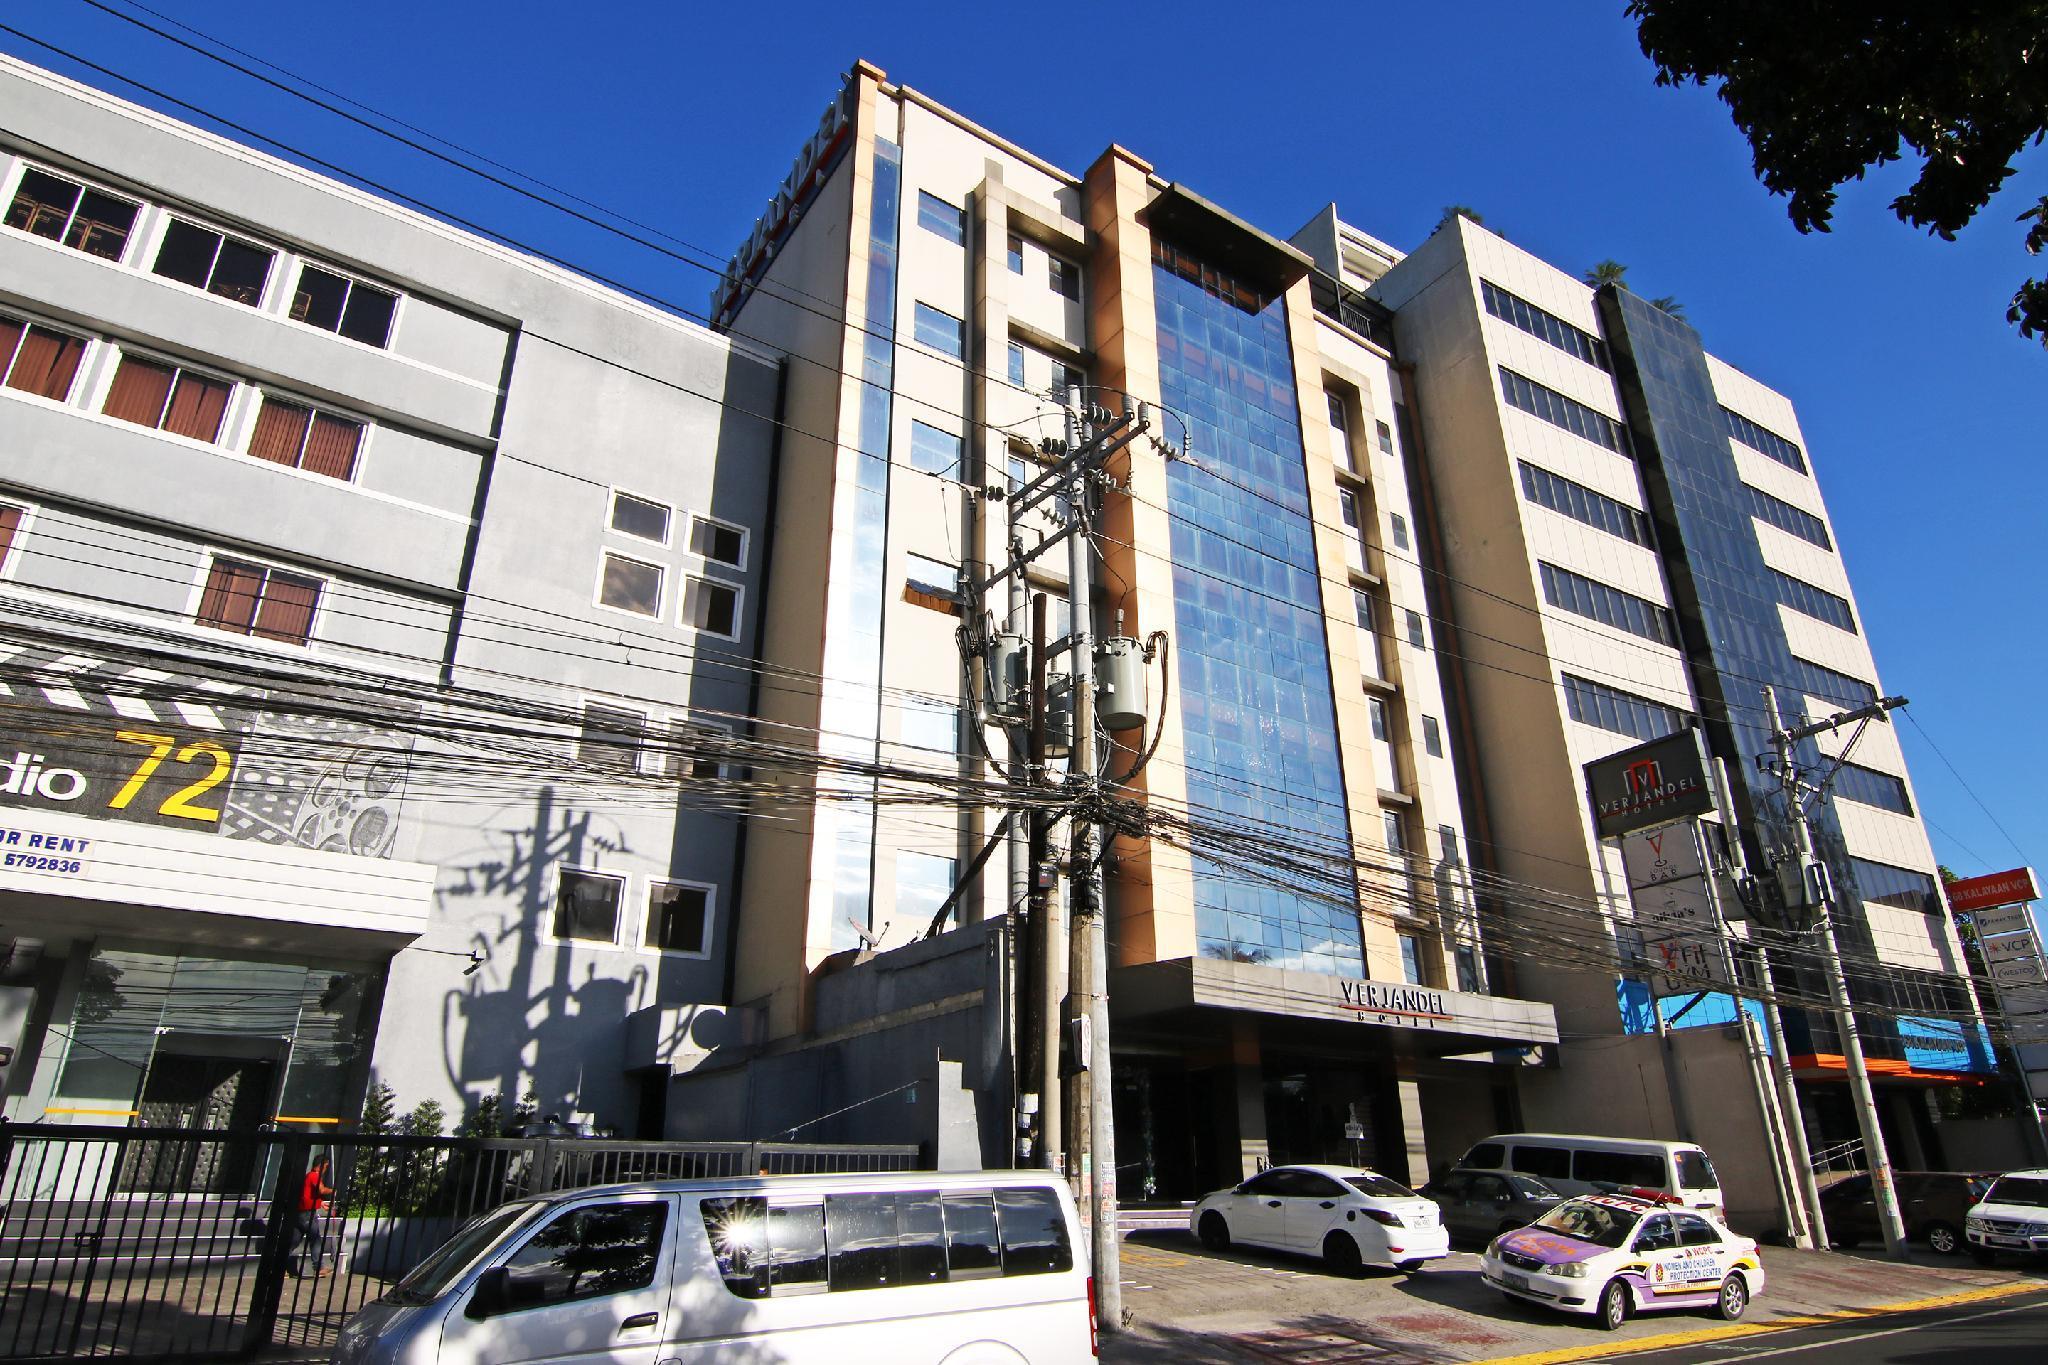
1189,1304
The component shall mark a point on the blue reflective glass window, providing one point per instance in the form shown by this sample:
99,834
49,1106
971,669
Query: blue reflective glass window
1581,503
1016,254
1792,520
1017,364
936,215
1582,596
1520,313
934,451
1898,886
1560,411
1624,713
1762,440
1808,600
937,329
1825,684
1869,787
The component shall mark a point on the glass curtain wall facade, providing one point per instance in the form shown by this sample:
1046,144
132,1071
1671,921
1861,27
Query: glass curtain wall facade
1254,688
850,701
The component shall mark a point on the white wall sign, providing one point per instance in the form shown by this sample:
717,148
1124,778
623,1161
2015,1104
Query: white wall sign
2021,971
2010,947
2006,919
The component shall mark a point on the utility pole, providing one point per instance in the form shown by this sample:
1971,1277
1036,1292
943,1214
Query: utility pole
1813,890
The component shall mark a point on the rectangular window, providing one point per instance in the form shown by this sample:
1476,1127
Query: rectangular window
587,906
1869,787
254,599
939,330
1386,437
182,402
1432,737
1624,713
1396,831
1340,433
1411,959
1581,596
936,215
883,1241
1520,313
1400,527
711,607
1792,520
934,451
1560,411
1064,277
609,740
1415,635
350,308
641,518
10,526
38,360
1447,839
1469,979
974,1251
697,749
1376,708
300,437
923,881
1804,598
930,723
720,542
1581,503
82,218
1033,1232
630,585
1016,254
1897,886
209,260
1361,609
931,583
679,918
1016,364
1825,684
1347,508
1066,376
1762,440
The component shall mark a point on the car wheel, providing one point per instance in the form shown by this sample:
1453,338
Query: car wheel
1215,1233
1734,1300
1943,1239
1613,1306
1340,1254
1411,1266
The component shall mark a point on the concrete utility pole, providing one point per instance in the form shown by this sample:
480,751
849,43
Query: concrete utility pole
1815,892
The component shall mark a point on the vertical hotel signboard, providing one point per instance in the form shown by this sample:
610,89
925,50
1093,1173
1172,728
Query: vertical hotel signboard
2010,944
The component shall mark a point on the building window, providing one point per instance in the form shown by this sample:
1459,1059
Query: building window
1896,886
1582,596
1447,838
1581,503
209,260
1432,737
1825,684
10,526
1016,254
1411,959
1347,508
1792,520
939,330
1386,436
929,723
1415,635
254,599
641,518
182,402
1396,831
696,750
1017,364
679,918
1469,979
38,360
1762,440
720,542
1560,411
587,906
1064,277
1520,313
350,308
934,451
82,218
923,881
1376,708
936,215
631,585
1361,609
1400,525
609,740
1340,433
931,583
300,437
1624,713
1804,598
711,607
1869,787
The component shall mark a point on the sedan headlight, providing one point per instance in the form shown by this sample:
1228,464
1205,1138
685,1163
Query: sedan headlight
1572,1270
1493,1248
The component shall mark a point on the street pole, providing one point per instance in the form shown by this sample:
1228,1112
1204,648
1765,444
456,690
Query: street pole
1780,1066
1881,1186
1045,1004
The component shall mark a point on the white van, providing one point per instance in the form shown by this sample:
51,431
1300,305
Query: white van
968,1268
1574,1163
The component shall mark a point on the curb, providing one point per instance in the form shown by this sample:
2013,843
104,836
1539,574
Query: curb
1668,1340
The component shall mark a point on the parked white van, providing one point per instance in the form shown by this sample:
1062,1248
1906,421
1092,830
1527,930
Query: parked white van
965,1268
1575,1163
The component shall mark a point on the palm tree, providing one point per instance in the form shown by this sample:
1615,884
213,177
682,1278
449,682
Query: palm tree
1606,272
1465,211
1670,307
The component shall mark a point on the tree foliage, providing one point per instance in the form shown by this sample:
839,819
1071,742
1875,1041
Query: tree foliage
1609,271
1465,211
1826,90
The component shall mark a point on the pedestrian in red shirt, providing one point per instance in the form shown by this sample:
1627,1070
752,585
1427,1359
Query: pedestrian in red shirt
313,1197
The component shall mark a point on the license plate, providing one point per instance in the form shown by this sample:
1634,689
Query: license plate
1514,1281
2005,1241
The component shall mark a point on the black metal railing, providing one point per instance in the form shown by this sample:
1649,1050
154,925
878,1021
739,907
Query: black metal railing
178,1244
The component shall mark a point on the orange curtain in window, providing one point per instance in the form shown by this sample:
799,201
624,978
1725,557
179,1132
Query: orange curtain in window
10,337
47,364
280,432
197,405
331,449
287,609
10,522
232,591
138,391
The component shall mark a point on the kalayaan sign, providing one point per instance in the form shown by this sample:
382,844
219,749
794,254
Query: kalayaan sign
1652,784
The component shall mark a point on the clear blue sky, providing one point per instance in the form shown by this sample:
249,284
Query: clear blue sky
1926,416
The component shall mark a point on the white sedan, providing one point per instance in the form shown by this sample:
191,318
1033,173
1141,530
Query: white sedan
1345,1215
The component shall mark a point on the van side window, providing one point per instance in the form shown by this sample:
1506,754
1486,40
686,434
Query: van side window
1695,1172
1488,1155
588,1252
1551,1162
1643,1169
881,1241
973,1249
796,1248
1034,1232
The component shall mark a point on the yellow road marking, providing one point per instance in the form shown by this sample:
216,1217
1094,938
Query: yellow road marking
1752,1329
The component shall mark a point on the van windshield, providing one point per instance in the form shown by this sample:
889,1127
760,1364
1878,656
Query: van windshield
429,1279
1695,1172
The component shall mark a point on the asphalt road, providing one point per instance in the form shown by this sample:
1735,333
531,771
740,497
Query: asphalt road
1998,1332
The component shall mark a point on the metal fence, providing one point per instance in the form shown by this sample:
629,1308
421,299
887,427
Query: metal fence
177,1244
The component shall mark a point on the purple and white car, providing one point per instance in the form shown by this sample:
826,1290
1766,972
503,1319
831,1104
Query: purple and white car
1611,1255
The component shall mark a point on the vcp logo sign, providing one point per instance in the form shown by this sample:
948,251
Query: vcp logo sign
26,775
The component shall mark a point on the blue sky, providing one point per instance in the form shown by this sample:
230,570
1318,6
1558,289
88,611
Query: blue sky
1926,416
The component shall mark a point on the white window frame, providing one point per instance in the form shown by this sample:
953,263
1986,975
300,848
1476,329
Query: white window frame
21,532
354,277
586,700
161,228
611,507
12,186
208,553
232,417
236,438
625,884
604,556
710,891
739,605
83,383
656,761
746,542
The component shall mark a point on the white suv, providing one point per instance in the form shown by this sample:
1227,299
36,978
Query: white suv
2012,1216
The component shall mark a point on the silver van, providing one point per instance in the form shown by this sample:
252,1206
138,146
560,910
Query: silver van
1579,1163
969,1268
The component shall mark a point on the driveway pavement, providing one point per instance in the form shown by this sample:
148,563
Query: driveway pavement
1187,1303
